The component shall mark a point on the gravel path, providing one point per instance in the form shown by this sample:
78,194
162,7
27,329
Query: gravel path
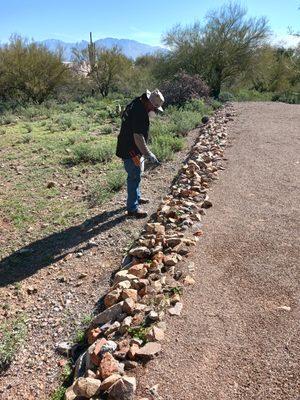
238,336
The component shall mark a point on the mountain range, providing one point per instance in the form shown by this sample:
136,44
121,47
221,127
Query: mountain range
130,48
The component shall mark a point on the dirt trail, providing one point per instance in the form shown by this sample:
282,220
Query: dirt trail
68,272
238,337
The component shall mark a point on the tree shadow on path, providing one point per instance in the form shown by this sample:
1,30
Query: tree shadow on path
41,253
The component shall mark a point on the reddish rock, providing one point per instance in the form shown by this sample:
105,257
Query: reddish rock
95,355
108,366
87,387
132,351
155,334
170,260
129,306
112,297
108,382
123,389
93,335
149,350
129,294
138,270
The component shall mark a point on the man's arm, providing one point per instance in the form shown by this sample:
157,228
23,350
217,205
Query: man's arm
140,142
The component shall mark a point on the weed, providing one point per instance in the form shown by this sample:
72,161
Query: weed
26,139
139,332
59,393
106,130
86,152
12,335
64,122
87,319
98,194
115,180
28,127
79,336
176,290
7,119
164,146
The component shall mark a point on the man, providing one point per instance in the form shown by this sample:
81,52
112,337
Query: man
132,145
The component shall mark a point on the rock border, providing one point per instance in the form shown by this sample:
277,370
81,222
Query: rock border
131,326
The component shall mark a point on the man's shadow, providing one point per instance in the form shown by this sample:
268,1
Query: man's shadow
41,253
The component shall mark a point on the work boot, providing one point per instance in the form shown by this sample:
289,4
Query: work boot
137,214
144,201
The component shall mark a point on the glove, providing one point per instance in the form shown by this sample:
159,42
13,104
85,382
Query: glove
152,158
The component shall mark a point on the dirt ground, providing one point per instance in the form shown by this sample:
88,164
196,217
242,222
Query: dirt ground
238,336
68,272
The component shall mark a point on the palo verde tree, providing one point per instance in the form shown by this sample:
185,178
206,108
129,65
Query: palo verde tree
105,67
29,72
220,50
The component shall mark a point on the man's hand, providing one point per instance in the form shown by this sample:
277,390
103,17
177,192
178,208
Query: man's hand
152,158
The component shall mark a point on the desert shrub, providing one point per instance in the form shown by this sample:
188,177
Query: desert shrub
185,121
93,153
164,146
64,122
101,116
291,98
252,95
183,88
28,127
160,127
115,179
29,71
106,130
226,96
7,119
12,335
196,105
98,194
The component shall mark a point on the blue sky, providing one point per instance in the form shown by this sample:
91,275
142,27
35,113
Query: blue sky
144,21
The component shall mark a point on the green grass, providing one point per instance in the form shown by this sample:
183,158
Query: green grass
93,153
12,335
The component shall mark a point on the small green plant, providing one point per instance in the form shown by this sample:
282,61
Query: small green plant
139,332
79,336
64,122
98,194
164,146
26,139
106,130
115,180
93,153
7,119
59,393
175,290
28,127
2,131
12,336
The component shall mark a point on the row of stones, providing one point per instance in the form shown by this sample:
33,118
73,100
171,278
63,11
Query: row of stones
131,326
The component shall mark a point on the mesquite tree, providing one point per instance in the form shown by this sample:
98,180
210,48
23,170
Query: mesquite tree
221,49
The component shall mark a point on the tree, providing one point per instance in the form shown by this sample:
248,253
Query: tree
28,71
220,50
105,67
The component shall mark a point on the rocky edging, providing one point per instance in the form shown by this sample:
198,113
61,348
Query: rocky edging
130,327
